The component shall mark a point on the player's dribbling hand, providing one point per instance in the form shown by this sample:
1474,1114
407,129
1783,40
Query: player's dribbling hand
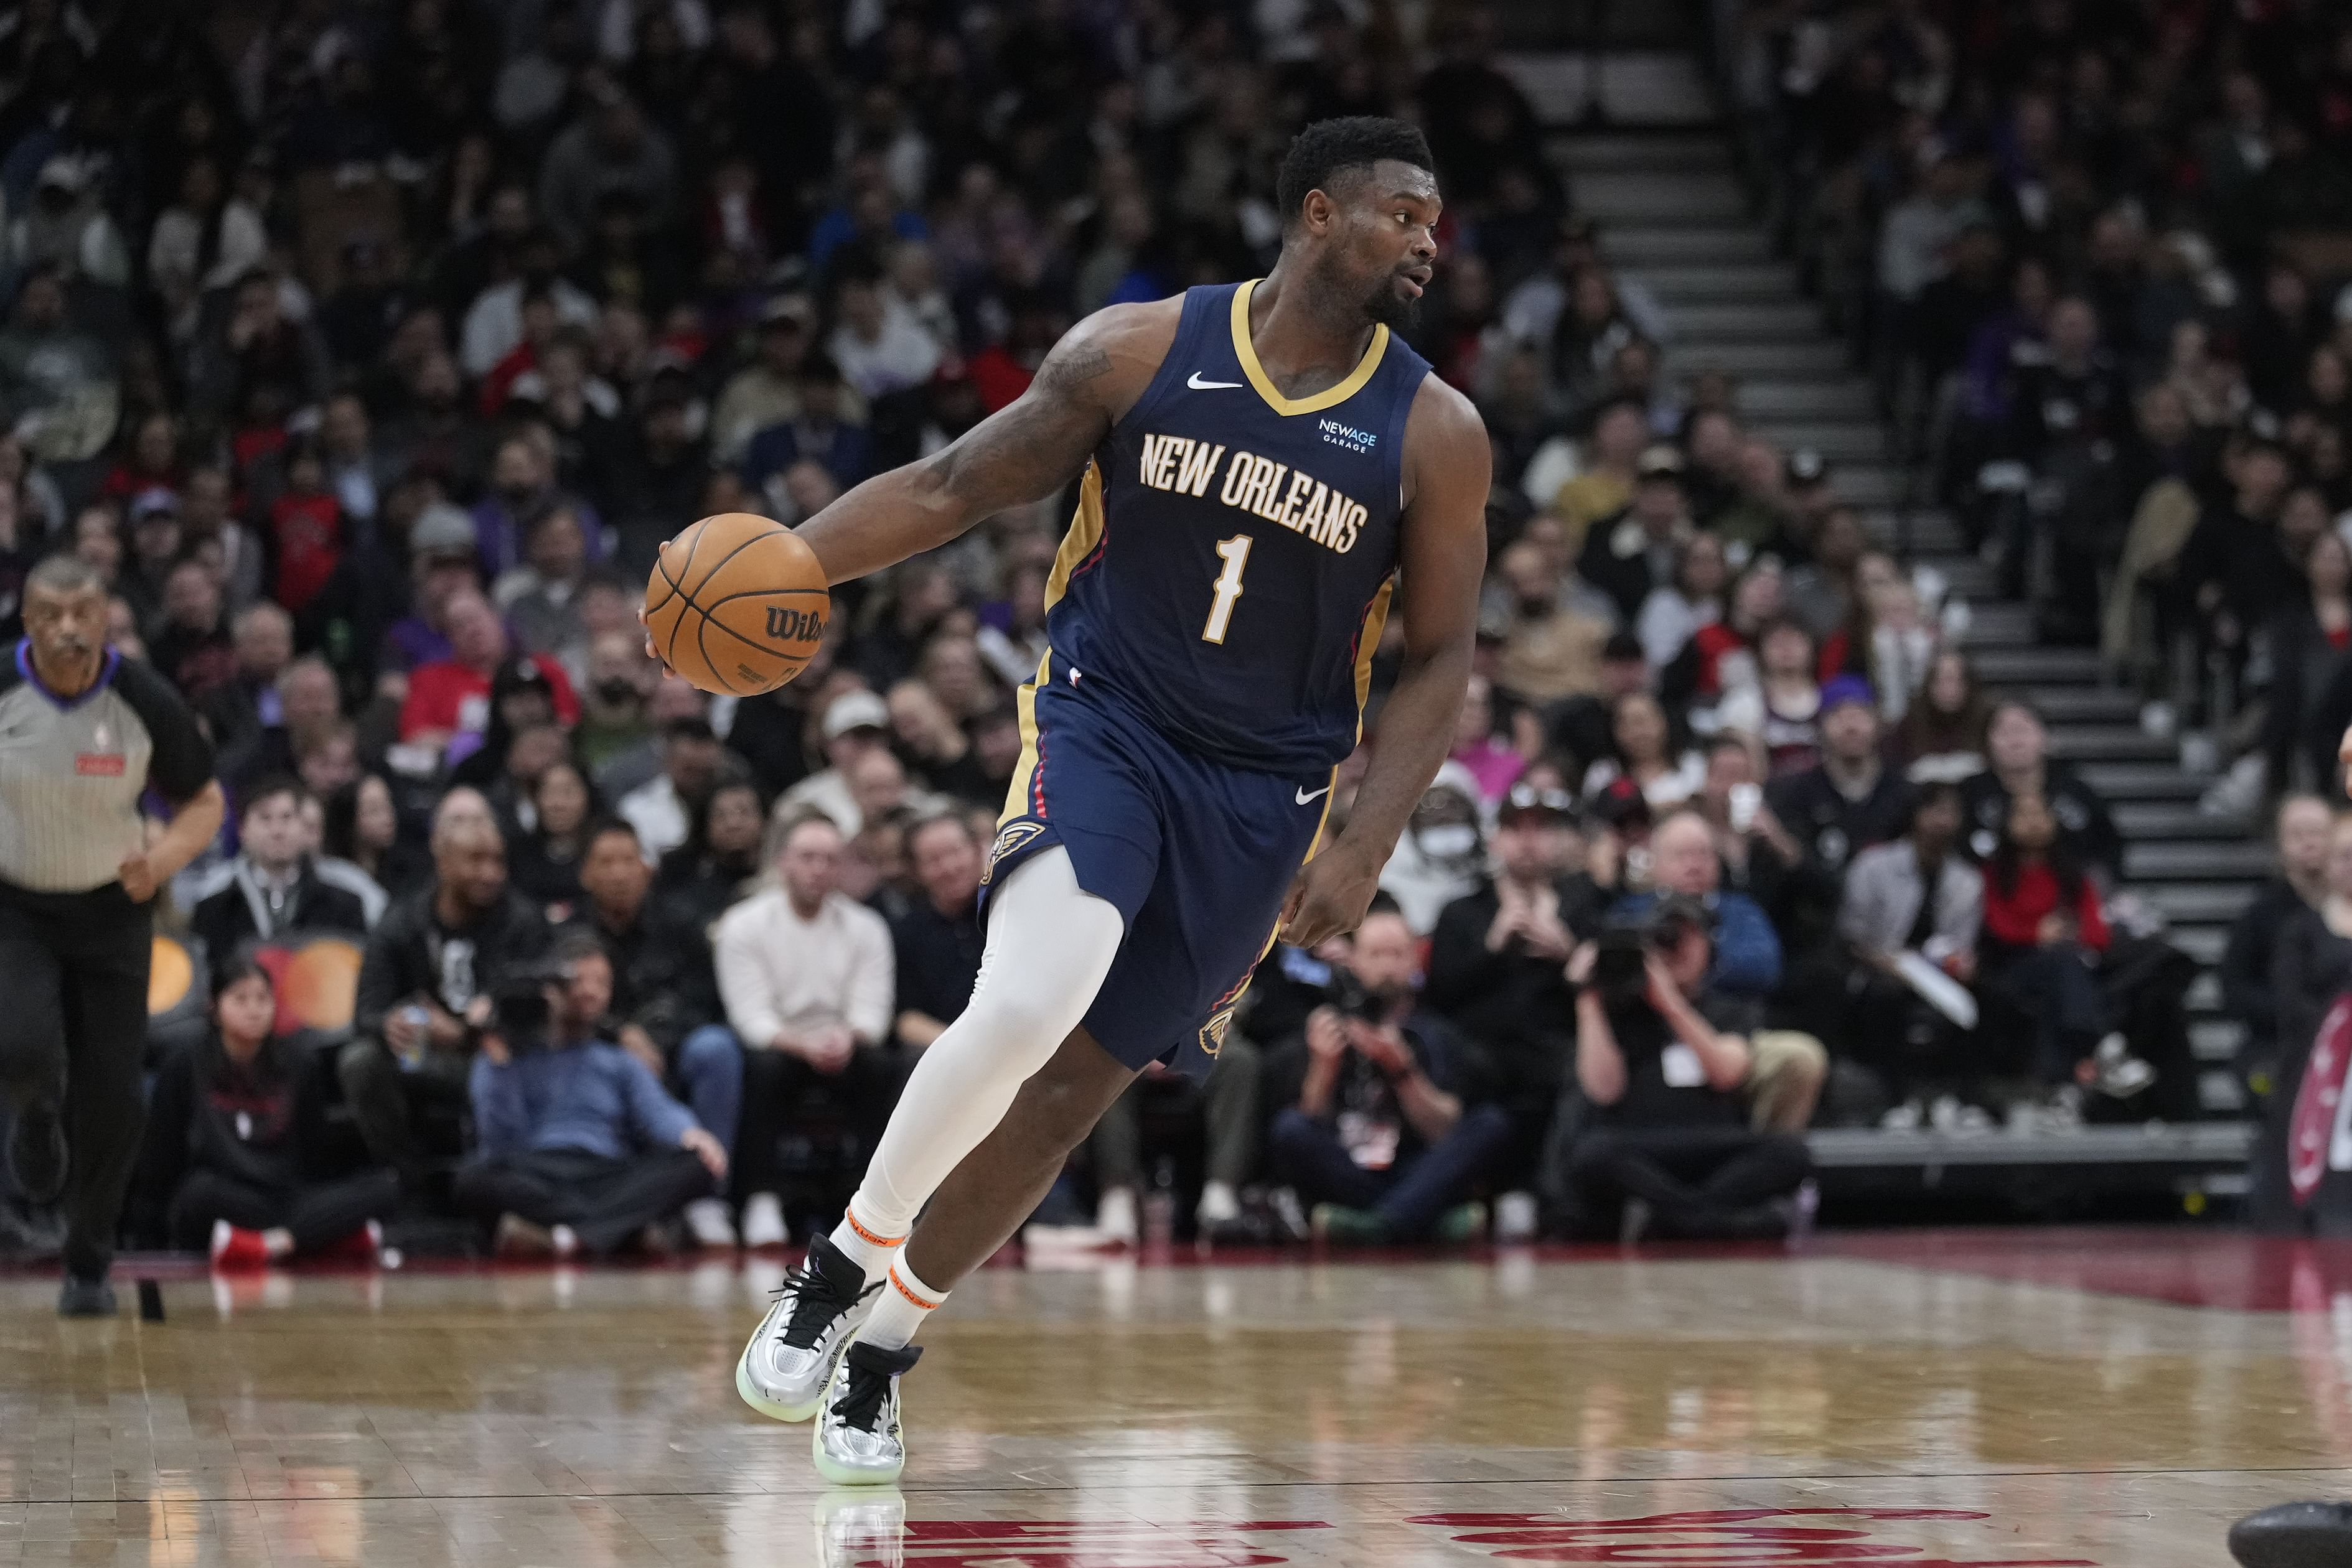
138,876
1328,897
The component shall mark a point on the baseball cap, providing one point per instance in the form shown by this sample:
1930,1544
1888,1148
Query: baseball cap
788,310
155,501
441,529
1658,462
856,710
1839,690
1526,801
1620,802
521,675
1623,648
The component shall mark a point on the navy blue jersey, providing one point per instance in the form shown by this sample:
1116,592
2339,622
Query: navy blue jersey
1228,571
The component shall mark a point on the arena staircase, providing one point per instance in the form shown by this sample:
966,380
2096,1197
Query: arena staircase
1658,174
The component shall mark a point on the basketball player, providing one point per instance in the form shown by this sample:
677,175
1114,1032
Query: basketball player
1262,466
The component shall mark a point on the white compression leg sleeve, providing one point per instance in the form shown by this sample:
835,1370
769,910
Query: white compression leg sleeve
1050,944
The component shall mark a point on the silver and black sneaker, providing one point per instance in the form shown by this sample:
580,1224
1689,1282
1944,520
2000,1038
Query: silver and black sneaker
783,1372
857,1442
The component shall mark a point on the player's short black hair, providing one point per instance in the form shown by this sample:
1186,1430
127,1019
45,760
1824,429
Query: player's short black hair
1329,146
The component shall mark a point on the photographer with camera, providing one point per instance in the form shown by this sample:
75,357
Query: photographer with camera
581,1150
1666,1141
425,986
1376,1138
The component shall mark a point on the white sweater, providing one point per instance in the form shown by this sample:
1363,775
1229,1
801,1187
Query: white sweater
776,969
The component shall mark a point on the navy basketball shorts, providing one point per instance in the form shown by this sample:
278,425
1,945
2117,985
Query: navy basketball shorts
1198,857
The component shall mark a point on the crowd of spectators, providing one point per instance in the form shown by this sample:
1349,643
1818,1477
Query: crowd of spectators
370,351
2095,255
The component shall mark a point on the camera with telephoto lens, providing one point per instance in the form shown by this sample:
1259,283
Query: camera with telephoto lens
519,1010
1350,997
1621,953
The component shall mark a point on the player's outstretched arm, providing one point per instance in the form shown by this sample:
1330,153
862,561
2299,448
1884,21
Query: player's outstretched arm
1441,560
1023,452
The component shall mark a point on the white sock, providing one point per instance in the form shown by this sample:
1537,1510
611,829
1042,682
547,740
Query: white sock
1217,1204
867,1248
900,1310
1050,943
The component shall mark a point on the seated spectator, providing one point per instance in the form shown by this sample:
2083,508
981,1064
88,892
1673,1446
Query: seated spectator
856,725
543,860
2310,970
2017,749
641,763
231,1153
2300,883
1667,1148
936,940
541,598
1493,763
273,886
1779,713
443,565
1644,748
1496,962
579,1150
1604,486
2044,936
1628,555
1374,1132
1694,599
1787,1066
2311,672
1850,800
935,744
306,532
807,978
1439,858
1941,738
424,987
1719,657
1225,1103
360,828
701,878
1551,644
822,432
190,645
664,998
613,701
1579,727
295,712
660,809
1916,899
262,638
448,703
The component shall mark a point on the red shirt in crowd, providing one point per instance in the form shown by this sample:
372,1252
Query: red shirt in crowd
448,696
309,533
1714,642
999,378
2015,916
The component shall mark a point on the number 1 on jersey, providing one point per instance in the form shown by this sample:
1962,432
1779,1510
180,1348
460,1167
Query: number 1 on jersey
1229,586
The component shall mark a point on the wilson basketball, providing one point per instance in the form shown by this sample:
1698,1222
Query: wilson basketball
737,604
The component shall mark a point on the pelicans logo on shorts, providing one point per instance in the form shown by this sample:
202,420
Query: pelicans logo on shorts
1009,841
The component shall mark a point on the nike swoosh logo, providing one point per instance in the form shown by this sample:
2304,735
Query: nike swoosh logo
1303,797
1197,384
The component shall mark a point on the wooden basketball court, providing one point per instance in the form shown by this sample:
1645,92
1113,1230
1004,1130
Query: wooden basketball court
1927,1401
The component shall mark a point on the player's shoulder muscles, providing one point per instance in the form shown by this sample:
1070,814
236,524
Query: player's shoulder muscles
1041,440
1448,464
1108,360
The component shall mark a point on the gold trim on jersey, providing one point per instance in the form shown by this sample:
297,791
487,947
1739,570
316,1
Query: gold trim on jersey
1330,396
1085,532
1024,772
1376,621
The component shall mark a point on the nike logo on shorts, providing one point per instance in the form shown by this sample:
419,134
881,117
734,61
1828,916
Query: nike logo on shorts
1197,384
1303,797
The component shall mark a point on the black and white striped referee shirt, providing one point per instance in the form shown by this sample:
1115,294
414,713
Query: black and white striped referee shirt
72,770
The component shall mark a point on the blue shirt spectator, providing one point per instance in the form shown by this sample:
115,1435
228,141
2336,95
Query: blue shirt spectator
593,1096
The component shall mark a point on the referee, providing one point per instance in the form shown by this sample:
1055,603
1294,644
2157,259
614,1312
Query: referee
84,734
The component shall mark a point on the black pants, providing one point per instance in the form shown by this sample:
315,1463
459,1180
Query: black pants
394,1107
317,1215
1226,1103
1699,1181
2058,991
73,1024
776,1083
1414,1194
605,1201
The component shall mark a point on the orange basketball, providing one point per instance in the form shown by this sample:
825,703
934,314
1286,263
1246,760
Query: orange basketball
737,604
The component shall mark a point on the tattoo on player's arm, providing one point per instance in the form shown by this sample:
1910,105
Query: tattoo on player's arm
1066,372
